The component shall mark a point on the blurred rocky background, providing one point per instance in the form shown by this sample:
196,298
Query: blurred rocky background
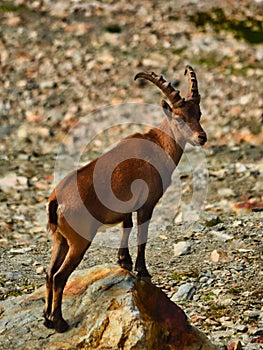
62,60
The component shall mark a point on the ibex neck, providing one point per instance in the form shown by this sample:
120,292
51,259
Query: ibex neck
164,136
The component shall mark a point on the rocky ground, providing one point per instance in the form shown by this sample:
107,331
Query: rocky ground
62,61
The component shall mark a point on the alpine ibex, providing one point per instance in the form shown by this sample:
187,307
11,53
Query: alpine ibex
76,209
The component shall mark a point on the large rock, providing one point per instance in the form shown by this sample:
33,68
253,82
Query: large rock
107,308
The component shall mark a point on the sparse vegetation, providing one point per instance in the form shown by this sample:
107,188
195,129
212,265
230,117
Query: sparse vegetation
249,29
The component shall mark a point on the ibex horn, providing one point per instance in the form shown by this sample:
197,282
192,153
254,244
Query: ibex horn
193,93
166,87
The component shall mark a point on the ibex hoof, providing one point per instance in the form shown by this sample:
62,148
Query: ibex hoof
125,266
144,275
125,263
61,326
48,323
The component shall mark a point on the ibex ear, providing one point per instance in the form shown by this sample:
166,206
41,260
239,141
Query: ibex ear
167,109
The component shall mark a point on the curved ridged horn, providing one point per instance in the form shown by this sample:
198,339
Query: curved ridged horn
193,93
166,87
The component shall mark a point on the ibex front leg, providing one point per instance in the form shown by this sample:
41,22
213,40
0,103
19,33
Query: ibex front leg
143,221
124,258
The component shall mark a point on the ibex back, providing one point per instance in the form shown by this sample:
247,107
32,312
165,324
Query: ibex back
78,206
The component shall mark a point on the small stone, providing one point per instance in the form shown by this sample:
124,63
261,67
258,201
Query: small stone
258,332
22,132
237,223
59,9
150,63
33,116
240,168
13,21
226,192
203,279
212,220
244,99
40,270
13,275
254,314
46,84
185,291
20,250
197,228
13,181
241,328
218,255
221,236
238,267
182,248
106,57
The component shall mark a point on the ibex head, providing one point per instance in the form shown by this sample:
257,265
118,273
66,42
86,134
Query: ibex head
184,114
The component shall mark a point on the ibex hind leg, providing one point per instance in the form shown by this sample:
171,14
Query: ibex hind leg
72,260
59,252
